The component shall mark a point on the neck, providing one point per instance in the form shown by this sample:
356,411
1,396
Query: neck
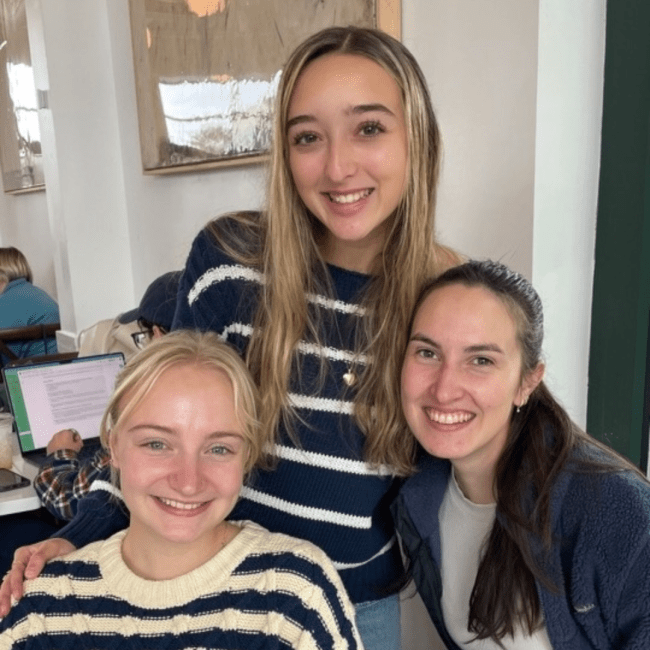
156,559
476,483
361,257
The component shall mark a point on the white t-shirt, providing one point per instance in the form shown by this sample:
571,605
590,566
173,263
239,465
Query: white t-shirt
464,527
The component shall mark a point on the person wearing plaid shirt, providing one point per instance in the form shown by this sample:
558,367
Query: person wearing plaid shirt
64,479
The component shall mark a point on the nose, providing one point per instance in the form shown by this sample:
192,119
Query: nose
446,385
186,476
341,160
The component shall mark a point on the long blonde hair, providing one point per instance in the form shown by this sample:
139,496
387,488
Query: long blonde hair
290,258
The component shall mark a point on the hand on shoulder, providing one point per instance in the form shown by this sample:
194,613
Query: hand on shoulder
28,563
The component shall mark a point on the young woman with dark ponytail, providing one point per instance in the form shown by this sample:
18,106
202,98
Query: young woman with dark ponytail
522,530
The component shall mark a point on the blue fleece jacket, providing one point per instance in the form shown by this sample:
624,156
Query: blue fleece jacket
601,562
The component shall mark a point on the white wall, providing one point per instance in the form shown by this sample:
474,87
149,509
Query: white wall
517,87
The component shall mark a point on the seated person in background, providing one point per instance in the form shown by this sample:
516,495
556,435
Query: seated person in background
22,304
63,478
183,432
128,332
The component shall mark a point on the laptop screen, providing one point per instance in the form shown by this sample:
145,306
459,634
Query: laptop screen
51,396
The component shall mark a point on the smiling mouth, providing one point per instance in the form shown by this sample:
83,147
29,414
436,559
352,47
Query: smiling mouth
348,198
448,418
180,505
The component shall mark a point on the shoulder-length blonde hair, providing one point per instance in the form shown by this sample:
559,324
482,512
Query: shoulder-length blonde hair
290,258
14,265
184,347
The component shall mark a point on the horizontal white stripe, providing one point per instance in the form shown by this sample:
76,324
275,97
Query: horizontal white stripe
334,463
107,487
305,348
339,566
321,404
239,272
336,305
106,624
305,512
237,328
332,353
219,274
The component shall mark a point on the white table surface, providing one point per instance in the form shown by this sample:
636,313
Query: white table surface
22,499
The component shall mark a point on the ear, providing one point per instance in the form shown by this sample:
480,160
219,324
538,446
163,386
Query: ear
529,383
111,449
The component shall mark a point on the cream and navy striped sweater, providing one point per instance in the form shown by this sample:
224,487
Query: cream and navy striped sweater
262,591
323,492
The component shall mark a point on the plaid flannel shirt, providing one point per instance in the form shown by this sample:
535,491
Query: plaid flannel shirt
63,479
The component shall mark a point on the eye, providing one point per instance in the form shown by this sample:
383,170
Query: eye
482,361
155,445
369,129
426,353
304,138
219,450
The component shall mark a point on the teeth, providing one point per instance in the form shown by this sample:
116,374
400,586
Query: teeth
349,198
448,418
179,505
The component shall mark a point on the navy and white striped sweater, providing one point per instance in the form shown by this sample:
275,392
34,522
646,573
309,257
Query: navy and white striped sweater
262,590
323,492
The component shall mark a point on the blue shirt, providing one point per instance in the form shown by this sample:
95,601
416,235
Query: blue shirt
22,304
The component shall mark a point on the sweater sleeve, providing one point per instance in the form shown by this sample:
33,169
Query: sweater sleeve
335,628
200,284
100,514
633,624
610,576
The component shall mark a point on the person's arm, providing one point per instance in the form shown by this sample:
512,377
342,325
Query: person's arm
27,564
210,287
606,528
100,514
633,612
325,610
62,480
198,262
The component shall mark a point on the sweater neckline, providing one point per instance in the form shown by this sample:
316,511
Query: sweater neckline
122,581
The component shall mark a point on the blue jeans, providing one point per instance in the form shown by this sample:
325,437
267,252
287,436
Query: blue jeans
378,622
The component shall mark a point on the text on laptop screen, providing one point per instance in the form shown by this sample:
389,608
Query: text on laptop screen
50,397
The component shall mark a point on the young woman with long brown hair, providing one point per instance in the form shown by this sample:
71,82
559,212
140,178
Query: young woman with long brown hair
523,531
316,289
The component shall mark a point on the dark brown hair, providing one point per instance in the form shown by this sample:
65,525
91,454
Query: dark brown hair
540,442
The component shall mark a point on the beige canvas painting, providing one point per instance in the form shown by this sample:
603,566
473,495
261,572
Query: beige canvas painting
207,71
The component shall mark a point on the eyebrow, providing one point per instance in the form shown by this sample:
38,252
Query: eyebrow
162,429
355,110
480,347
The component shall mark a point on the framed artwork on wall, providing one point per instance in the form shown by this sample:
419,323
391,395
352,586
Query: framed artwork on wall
206,72
20,137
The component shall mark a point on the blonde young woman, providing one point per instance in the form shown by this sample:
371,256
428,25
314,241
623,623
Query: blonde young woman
315,289
182,431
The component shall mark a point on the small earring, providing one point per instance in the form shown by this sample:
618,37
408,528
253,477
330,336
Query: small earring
518,409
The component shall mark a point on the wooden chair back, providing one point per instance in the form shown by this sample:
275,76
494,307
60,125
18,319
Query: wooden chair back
27,333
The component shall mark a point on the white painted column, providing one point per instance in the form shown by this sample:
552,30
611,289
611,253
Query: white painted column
82,159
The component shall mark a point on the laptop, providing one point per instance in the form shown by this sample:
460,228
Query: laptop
63,394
